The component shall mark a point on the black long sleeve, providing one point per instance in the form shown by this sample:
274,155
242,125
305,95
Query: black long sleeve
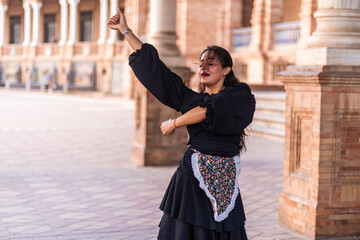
230,111
165,85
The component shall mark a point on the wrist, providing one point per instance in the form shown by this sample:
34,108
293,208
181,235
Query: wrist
124,30
175,123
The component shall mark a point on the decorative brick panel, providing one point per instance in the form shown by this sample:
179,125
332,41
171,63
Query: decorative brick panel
347,145
301,141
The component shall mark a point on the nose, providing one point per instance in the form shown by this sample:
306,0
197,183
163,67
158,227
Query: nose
204,65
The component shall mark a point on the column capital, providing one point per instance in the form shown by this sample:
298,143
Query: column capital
26,4
74,2
37,5
3,8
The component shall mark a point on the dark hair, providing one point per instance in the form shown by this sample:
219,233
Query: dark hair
226,61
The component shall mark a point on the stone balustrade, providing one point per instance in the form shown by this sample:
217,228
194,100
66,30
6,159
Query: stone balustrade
286,32
242,37
12,50
86,48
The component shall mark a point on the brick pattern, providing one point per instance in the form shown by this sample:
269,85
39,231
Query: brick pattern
350,147
324,200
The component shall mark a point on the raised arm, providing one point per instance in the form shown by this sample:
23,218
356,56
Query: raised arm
118,22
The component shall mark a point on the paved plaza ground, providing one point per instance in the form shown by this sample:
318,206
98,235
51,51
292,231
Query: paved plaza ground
66,173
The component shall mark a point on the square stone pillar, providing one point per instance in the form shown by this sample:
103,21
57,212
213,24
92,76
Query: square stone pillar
150,147
321,195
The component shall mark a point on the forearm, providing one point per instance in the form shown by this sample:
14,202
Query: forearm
195,115
133,41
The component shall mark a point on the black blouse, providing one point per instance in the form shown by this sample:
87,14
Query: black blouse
228,112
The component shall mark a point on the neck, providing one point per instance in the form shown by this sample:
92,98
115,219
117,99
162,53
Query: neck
214,89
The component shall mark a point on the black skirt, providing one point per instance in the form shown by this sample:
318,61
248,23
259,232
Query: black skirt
188,213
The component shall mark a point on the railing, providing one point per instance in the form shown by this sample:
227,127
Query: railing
47,49
242,37
286,33
12,50
85,48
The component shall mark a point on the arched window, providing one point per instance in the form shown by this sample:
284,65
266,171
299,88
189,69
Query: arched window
15,29
86,26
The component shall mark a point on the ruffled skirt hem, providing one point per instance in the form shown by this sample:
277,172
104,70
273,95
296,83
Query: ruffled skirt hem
174,229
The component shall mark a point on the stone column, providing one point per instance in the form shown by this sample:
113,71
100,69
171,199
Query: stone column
36,22
27,24
321,195
113,10
336,40
103,20
3,9
265,14
73,21
231,20
150,147
307,21
163,26
64,22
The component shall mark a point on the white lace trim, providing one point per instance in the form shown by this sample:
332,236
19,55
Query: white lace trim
197,174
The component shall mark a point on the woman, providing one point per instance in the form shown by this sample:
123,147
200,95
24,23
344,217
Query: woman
202,201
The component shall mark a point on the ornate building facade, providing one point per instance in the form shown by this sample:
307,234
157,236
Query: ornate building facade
68,41
65,40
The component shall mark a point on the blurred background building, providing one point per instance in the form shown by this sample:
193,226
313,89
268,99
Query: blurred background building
67,42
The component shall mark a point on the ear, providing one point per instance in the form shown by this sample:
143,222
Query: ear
227,70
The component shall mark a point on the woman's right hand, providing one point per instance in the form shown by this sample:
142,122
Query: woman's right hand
168,127
118,22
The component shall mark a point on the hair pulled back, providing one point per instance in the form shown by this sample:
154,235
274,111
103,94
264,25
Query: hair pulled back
226,61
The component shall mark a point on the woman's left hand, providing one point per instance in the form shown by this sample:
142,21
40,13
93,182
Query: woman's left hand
168,127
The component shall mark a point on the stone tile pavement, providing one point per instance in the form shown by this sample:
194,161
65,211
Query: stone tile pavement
65,173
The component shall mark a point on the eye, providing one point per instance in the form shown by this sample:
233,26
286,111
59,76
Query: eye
201,65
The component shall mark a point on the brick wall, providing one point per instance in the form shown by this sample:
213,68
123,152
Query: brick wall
321,196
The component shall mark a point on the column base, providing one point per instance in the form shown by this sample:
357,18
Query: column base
328,56
165,43
297,214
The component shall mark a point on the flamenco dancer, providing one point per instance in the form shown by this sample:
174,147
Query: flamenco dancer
202,201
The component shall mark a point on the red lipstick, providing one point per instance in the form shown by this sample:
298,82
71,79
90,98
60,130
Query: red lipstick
204,74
